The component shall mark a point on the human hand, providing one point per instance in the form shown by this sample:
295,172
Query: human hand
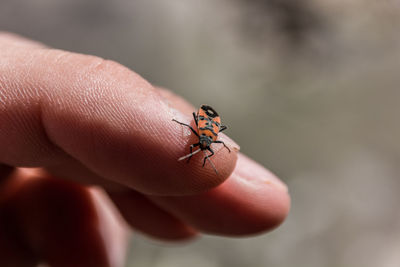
80,120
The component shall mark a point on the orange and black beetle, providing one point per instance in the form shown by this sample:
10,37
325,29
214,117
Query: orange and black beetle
208,125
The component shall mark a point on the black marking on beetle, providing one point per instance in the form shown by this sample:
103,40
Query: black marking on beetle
202,118
208,128
209,111
209,138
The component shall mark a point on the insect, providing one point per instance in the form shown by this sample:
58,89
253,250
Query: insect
208,125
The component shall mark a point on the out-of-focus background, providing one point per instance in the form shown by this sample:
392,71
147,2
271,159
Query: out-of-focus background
317,82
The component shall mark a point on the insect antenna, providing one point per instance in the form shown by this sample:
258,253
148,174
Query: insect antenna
189,155
212,164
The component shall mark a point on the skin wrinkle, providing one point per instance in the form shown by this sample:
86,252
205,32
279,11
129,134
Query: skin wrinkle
3,95
40,94
37,141
27,96
51,149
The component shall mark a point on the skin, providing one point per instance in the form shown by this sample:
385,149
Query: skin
79,121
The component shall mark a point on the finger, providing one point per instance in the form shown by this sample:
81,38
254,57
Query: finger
252,200
14,251
115,234
5,171
146,217
142,215
57,104
62,225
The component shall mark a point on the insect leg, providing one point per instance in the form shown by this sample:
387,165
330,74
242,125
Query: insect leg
195,119
191,154
222,142
208,156
184,124
222,128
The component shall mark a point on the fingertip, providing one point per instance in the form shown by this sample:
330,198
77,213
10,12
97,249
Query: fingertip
259,199
251,201
274,206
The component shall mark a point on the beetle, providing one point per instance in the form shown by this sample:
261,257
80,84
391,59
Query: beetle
208,125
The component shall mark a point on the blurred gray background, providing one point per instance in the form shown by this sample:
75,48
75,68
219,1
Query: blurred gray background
317,81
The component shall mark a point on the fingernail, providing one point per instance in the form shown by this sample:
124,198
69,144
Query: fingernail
253,172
